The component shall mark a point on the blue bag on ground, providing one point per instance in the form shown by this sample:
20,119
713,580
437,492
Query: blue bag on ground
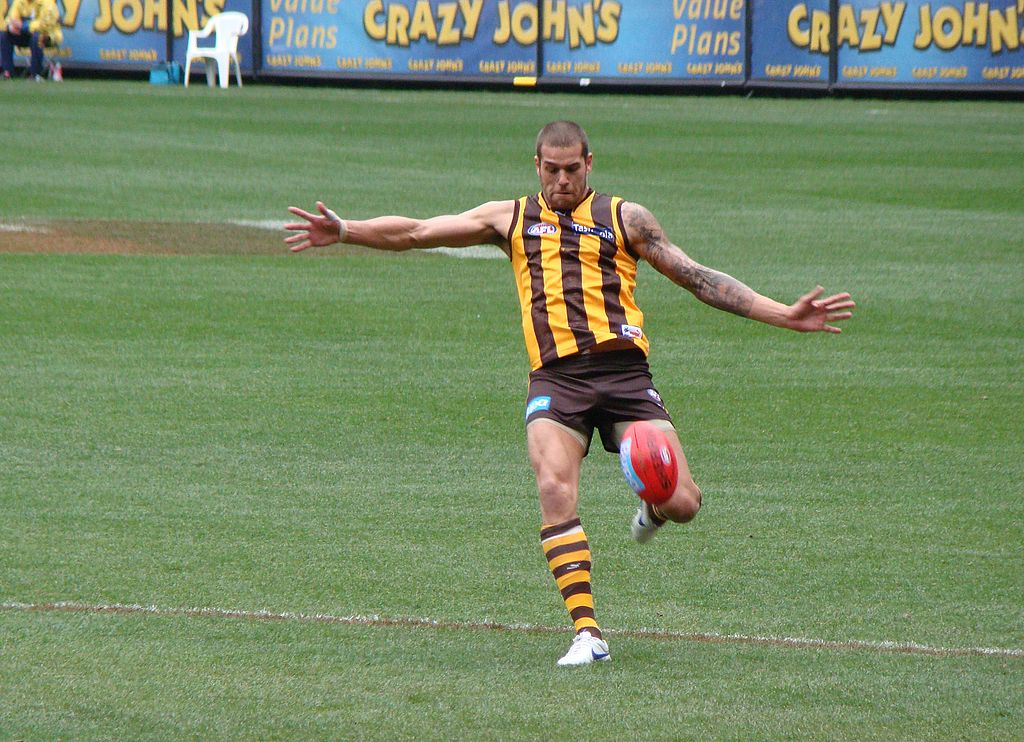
166,73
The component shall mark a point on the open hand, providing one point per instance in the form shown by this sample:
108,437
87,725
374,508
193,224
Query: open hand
316,231
811,314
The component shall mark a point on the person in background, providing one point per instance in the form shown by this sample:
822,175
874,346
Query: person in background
31,23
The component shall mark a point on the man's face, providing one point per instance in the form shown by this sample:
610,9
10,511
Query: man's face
563,175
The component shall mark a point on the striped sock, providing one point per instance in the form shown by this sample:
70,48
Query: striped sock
657,516
568,554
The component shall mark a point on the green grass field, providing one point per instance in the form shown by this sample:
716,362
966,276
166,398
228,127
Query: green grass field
192,418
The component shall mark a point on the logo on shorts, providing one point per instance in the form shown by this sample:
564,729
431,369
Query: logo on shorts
537,404
655,396
632,331
540,229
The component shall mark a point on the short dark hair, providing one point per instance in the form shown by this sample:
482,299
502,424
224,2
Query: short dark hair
563,134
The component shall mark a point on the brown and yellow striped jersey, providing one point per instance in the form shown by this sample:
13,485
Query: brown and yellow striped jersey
575,274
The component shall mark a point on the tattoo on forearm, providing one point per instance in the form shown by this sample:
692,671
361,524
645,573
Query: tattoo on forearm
715,288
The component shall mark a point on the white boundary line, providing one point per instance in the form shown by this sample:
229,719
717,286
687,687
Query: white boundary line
382,621
19,227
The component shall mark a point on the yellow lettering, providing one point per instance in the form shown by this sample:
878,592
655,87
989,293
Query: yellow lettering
155,14
923,39
704,44
71,12
819,32
213,7
186,15
892,17
374,28
947,16
422,22
678,37
581,27
449,35
276,30
554,20
524,23
104,18
504,30
975,28
608,27
846,27
127,15
471,13
871,40
398,25
734,44
1004,31
797,35
704,9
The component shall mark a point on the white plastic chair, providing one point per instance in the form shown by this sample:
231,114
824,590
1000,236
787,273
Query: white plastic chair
227,27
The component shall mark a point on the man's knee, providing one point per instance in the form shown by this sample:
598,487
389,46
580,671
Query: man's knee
557,498
554,489
684,503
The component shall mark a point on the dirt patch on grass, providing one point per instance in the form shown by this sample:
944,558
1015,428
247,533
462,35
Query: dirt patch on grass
104,237
139,238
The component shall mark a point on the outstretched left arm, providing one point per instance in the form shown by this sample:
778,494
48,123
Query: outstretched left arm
809,313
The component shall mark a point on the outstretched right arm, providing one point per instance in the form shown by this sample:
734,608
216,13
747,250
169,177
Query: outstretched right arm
487,224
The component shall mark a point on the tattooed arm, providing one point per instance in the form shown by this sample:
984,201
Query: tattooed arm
722,291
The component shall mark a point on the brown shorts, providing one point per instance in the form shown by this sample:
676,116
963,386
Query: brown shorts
595,390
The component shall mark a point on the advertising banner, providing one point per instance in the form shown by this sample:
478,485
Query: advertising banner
582,39
469,39
944,43
789,41
132,34
661,40
976,44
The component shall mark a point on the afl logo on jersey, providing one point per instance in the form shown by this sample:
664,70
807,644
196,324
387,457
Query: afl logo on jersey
541,229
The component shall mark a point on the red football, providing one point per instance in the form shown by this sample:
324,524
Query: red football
648,462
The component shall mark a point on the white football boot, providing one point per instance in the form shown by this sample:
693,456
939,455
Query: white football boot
585,648
644,526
